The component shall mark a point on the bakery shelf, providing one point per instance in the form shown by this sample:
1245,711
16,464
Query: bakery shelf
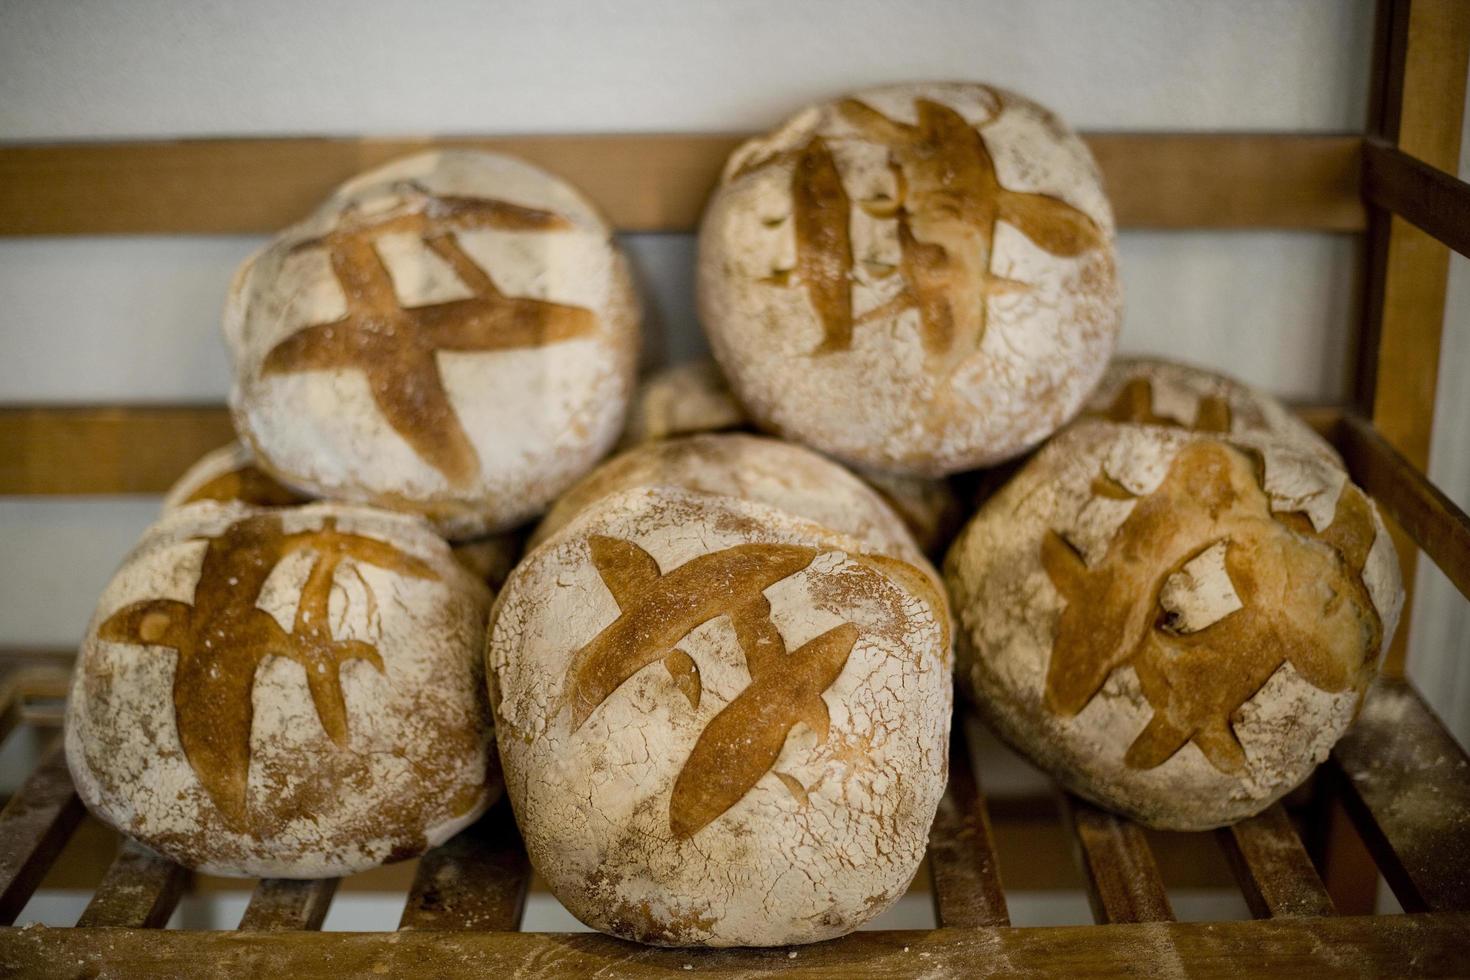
1393,799
1399,775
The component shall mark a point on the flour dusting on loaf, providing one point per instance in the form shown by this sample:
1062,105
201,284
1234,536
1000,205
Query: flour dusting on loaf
285,693
720,724
918,278
453,334
747,467
1178,625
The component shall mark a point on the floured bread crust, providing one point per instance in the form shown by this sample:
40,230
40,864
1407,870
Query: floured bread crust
1148,391
683,400
230,474
747,467
721,725
918,278
453,334
285,693
694,397
1176,625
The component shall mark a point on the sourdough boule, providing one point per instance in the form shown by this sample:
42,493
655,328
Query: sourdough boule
721,725
918,279
1177,625
453,334
291,693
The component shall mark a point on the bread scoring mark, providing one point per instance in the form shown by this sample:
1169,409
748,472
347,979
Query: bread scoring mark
223,636
949,199
248,484
657,610
1303,602
397,347
1135,403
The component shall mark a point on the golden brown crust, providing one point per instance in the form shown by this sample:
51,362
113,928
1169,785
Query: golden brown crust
383,344
260,691
697,696
226,475
853,268
1176,624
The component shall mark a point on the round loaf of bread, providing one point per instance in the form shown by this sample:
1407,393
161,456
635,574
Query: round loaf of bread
1148,391
748,467
229,474
453,334
918,279
285,693
693,397
720,724
1177,625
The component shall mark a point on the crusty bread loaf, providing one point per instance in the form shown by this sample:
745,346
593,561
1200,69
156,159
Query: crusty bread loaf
694,397
720,724
229,474
453,334
918,279
1150,391
290,693
747,467
1178,625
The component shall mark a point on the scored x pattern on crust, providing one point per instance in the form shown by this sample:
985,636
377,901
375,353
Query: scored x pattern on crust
657,610
222,637
397,347
948,202
1303,602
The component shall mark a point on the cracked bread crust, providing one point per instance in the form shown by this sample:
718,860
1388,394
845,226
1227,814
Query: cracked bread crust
285,693
1176,625
917,279
721,725
453,334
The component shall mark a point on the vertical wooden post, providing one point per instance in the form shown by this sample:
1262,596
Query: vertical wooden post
1417,99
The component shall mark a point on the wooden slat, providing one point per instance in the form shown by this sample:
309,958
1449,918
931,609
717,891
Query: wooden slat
967,889
642,182
288,904
145,448
1408,791
1433,200
1391,946
110,449
33,828
11,698
34,693
139,891
1432,520
477,880
1123,882
1275,874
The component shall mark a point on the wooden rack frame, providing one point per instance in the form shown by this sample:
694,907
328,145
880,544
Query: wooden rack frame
464,908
